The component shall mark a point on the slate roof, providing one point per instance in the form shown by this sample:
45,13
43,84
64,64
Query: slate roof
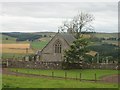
69,38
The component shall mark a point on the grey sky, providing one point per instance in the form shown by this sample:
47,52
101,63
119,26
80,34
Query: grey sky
48,16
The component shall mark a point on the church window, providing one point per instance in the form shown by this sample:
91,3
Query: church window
58,47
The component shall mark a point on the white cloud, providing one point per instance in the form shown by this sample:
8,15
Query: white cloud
31,17
26,24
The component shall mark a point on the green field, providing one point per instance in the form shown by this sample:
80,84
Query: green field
12,55
10,39
111,42
32,82
106,35
36,45
86,74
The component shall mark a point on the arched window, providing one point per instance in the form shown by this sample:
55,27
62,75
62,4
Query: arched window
58,46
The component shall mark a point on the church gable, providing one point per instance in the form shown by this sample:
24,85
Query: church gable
54,50
56,42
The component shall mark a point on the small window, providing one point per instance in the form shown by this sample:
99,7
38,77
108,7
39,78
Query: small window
58,47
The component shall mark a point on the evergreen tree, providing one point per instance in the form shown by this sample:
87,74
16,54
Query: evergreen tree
73,57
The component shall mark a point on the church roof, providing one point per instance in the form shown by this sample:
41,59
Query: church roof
69,38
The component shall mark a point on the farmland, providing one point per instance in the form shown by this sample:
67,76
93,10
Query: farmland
11,39
15,48
38,45
13,55
111,42
106,35
11,46
14,81
86,74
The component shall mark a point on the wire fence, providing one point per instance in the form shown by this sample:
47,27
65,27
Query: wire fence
64,76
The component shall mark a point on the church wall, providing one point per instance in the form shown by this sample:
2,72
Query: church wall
48,53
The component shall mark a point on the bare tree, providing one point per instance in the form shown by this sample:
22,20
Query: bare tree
81,22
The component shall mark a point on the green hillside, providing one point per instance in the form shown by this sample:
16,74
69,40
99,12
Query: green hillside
7,39
106,35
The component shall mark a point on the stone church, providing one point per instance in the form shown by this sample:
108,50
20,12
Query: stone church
54,50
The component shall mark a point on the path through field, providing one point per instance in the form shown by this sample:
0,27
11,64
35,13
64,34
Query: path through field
105,79
8,72
111,79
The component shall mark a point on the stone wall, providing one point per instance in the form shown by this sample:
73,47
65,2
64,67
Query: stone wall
101,66
34,64
55,65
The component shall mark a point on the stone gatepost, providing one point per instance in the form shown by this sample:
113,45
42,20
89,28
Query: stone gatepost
97,57
33,58
37,58
27,58
106,60
7,63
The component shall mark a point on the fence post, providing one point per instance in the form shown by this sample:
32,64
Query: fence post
28,72
112,78
16,72
76,76
80,76
65,75
95,77
53,74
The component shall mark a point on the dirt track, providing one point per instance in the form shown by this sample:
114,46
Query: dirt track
111,79
106,79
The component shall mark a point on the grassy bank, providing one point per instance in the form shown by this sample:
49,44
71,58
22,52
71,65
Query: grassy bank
31,82
85,74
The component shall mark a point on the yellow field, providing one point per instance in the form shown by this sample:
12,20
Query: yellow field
15,48
16,51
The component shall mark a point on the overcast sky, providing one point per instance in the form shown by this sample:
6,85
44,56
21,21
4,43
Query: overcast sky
48,16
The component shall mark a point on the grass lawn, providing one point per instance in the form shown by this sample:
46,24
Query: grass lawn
0,81
86,74
30,82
